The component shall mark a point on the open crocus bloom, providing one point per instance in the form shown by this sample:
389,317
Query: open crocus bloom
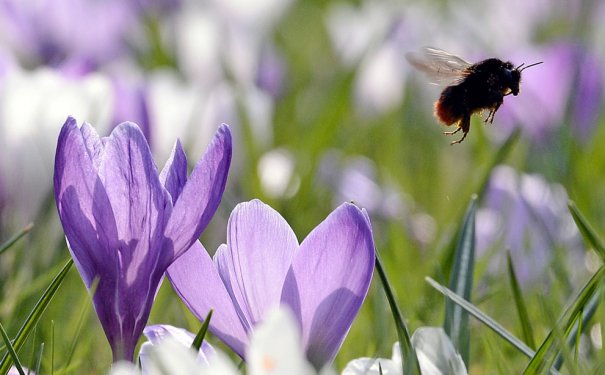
124,223
323,281
435,352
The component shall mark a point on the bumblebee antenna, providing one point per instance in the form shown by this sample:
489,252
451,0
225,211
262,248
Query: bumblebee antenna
520,69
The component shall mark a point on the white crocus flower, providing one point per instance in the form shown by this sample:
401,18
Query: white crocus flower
275,349
435,352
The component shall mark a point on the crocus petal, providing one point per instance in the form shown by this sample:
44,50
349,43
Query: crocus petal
260,246
196,280
329,280
202,193
436,353
82,203
141,208
174,173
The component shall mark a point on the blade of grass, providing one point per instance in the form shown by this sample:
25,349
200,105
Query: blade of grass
84,314
199,338
546,354
591,237
408,354
528,334
39,359
11,351
461,282
11,241
35,315
482,317
576,331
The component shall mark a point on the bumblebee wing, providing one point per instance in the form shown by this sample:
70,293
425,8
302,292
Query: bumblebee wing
440,67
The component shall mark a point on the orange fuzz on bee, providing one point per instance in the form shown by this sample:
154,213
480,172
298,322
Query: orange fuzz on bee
471,88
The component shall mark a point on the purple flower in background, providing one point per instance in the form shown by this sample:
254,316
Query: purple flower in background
50,31
130,104
571,78
323,281
124,224
529,216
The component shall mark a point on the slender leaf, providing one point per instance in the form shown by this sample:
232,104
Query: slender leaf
11,351
483,318
461,282
39,359
84,314
528,333
11,241
546,354
35,315
590,236
408,354
199,338
587,314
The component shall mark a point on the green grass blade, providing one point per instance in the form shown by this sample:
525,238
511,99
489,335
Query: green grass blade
528,333
574,336
546,354
199,338
11,241
11,351
39,359
461,282
482,317
408,354
35,315
588,233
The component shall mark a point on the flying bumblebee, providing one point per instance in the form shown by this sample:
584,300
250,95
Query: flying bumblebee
471,88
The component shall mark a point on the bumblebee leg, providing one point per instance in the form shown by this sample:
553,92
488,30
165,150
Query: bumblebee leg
453,132
494,109
464,125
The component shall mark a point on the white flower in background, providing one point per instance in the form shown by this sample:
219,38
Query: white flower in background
33,107
435,352
276,173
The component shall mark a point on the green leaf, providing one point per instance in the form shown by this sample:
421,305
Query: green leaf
482,317
574,336
39,359
11,351
546,354
11,241
528,334
35,315
461,282
199,338
590,236
408,354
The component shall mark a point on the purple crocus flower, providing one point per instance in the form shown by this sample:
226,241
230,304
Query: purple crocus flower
124,224
323,281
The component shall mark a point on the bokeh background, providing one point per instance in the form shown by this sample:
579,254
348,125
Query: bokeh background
324,109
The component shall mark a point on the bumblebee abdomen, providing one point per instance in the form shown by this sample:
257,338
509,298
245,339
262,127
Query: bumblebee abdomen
451,106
